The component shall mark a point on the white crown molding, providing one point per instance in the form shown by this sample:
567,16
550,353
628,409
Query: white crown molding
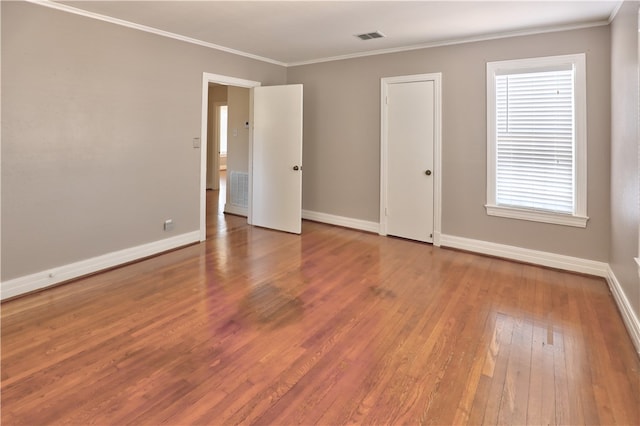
629,317
347,222
56,275
123,23
488,37
128,24
615,11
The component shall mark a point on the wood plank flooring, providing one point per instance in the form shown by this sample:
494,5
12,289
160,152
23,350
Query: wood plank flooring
332,327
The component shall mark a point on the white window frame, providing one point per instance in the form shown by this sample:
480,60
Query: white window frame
579,217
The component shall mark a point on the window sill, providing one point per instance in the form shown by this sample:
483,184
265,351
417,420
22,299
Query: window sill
538,216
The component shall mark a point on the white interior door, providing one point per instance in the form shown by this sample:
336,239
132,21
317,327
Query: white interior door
410,141
276,196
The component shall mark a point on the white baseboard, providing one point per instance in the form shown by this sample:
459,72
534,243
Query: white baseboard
347,222
567,263
52,276
629,317
233,209
536,257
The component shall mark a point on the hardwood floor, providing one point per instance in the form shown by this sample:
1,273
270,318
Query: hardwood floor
331,327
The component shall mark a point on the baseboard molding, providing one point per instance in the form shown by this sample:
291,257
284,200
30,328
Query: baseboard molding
567,263
552,260
629,317
346,222
52,276
233,209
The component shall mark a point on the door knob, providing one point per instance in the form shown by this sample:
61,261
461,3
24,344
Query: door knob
428,173
296,168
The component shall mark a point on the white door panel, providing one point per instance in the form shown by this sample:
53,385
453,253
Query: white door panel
277,158
410,141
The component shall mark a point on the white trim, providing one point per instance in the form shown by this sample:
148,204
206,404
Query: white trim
227,81
233,209
629,317
121,22
62,273
453,42
343,221
615,11
437,148
552,260
578,62
152,30
537,216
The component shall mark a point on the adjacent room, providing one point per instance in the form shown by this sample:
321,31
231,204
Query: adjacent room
312,212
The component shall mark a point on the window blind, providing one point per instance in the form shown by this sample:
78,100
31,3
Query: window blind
535,134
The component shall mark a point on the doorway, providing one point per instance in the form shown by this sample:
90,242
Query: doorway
410,170
274,132
215,80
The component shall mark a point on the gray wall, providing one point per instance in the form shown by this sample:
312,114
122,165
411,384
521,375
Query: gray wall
342,137
238,100
97,123
97,128
624,151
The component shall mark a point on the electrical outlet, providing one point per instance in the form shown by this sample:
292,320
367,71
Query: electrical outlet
196,142
168,225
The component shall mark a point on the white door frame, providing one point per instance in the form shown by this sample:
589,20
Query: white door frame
437,148
227,81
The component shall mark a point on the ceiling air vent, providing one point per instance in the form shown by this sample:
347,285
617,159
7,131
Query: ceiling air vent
369,36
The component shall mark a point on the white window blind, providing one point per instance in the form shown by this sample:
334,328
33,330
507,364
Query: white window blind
535,140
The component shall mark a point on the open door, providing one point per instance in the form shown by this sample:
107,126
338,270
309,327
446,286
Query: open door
276,196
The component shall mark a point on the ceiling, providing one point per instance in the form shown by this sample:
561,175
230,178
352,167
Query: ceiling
297,32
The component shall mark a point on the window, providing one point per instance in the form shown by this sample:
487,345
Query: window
536,140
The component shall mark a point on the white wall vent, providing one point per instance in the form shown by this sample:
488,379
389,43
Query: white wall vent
370,36
239,189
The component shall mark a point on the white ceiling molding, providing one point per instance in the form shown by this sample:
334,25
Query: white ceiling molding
452,42
133,25
604,20
615,11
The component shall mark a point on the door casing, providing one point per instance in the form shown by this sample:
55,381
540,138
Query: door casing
437,149
227,81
